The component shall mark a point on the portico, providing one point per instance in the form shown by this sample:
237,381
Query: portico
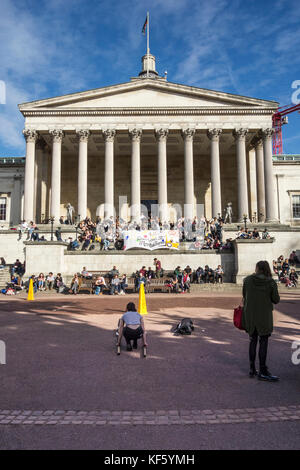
148,139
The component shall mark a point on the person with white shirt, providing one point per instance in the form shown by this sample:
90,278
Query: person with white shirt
50,281
132,326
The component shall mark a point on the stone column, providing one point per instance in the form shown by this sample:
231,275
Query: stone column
16,199
216,200
109,137
30,137
57,136
83,136
243,207
271,214
39,159
135,136
260,181
188,137
161,137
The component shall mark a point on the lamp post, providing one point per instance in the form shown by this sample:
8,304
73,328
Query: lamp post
245,221
52,222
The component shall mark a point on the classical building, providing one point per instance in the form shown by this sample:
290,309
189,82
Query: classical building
150,141
11,190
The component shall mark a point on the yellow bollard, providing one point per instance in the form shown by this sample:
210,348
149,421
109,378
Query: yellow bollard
142,310
30,291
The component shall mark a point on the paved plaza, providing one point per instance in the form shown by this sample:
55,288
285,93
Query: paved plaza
64,387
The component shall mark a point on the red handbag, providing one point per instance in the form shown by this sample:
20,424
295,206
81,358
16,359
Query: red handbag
238,317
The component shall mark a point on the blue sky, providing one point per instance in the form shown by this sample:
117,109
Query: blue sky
54,47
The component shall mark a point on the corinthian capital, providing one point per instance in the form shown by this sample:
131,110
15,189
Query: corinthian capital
161,134
188,134
239,134
57,135
109,135
135,134
214,134
83,135
30,135
256,142
41,144
266,133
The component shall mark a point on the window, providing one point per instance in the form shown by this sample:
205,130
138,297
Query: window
3,206
296,206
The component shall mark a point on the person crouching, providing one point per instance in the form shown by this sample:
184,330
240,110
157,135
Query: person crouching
132,327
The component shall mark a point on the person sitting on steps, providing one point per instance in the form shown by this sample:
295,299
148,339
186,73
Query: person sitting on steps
132,326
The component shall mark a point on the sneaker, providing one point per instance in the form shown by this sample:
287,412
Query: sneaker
253,372
267,376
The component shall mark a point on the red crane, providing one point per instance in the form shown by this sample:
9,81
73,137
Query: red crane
279,118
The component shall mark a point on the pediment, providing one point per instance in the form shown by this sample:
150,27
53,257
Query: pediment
146,93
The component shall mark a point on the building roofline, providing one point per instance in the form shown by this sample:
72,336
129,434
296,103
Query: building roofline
148,82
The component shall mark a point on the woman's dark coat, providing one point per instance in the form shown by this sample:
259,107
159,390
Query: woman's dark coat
259,293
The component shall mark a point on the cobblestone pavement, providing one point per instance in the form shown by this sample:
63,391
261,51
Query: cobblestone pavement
161,417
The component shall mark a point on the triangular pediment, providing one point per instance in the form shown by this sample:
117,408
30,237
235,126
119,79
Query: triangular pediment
146,93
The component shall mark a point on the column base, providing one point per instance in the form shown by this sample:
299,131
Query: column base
272,221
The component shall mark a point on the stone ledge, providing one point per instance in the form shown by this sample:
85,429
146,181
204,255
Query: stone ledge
261,226
251,240
45,242
148,252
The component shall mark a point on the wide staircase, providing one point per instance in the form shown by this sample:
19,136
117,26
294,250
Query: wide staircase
4,276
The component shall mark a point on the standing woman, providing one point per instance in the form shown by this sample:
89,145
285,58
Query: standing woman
259,294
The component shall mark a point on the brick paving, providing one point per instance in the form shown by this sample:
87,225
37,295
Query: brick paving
160,417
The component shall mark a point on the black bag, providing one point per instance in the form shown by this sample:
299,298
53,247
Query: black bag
92,247
185,327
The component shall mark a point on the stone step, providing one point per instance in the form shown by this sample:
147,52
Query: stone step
4,277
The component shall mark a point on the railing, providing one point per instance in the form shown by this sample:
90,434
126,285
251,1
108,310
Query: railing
12,160
286,158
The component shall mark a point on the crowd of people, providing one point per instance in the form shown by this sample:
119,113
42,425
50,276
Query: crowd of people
180,279
254,234
114,282
285,269
205,233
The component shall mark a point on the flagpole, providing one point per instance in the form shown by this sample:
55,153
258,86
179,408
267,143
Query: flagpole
148,48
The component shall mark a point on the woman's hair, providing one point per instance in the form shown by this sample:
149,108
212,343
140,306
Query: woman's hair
263,267
131,307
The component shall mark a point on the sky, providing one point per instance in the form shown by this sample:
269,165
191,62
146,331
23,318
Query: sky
55,47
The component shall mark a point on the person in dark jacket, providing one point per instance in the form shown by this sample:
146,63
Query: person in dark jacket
259,294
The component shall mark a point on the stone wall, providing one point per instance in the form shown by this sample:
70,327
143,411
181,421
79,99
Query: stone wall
129,262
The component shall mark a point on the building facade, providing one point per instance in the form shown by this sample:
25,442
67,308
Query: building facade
11,190
150,141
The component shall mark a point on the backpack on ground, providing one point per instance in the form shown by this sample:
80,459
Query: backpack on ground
185,327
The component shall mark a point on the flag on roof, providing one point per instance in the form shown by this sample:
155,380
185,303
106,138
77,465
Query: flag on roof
145,25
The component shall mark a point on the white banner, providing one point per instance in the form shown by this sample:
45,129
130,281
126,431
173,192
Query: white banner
151,239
